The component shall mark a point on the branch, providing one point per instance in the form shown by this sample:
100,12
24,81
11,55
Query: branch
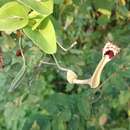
67,49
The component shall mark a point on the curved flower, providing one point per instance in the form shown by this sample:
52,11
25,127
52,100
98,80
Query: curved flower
109,52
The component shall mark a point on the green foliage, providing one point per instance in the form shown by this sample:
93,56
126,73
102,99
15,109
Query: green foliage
43,99
30,16
44,8
13,16
45,34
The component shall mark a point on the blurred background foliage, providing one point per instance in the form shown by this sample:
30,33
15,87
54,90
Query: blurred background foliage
44,99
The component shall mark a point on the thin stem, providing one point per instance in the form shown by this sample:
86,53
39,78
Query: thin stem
19,75
66,49
61,68
47,63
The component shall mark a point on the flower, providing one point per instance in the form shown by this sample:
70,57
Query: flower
71,76
110,50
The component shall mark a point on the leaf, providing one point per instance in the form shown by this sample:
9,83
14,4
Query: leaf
65,114
124,97
58,124
84,107
103,20
123,11
104,5
8,43
74,123
13,16
44,37
37,120
37,18
3,79
105,12
38,22
44,8
33,57
11,109
2,2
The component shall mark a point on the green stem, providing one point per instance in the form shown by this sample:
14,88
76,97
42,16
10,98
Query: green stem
16,81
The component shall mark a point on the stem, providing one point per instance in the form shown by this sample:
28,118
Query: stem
67,49
84,81
19,75
47,63
95,79
61,68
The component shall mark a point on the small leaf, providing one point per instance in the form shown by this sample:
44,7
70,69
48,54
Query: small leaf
42,122
103,20
37,17
74,123
108,4
58,124
105,12
44,8
84,107
44,37
13,16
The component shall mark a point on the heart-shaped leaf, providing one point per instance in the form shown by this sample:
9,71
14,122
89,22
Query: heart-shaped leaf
44,8
13,16
44,37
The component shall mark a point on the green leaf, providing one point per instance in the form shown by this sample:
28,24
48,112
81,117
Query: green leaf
105,12
84,106
2,2
58,124
108,4
37,17
44,37
103,20
13,16
37,120
3,79
38,22
11,118
44,8
124,97
74,123
8,43
123,11
65,114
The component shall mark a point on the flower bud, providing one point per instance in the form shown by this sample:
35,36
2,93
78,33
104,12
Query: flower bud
71,76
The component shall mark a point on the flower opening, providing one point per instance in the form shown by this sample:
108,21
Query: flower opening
110,50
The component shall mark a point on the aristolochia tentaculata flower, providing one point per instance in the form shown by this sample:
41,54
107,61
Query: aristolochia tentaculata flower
109,52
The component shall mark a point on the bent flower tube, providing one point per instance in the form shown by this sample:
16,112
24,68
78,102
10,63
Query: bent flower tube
108,53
